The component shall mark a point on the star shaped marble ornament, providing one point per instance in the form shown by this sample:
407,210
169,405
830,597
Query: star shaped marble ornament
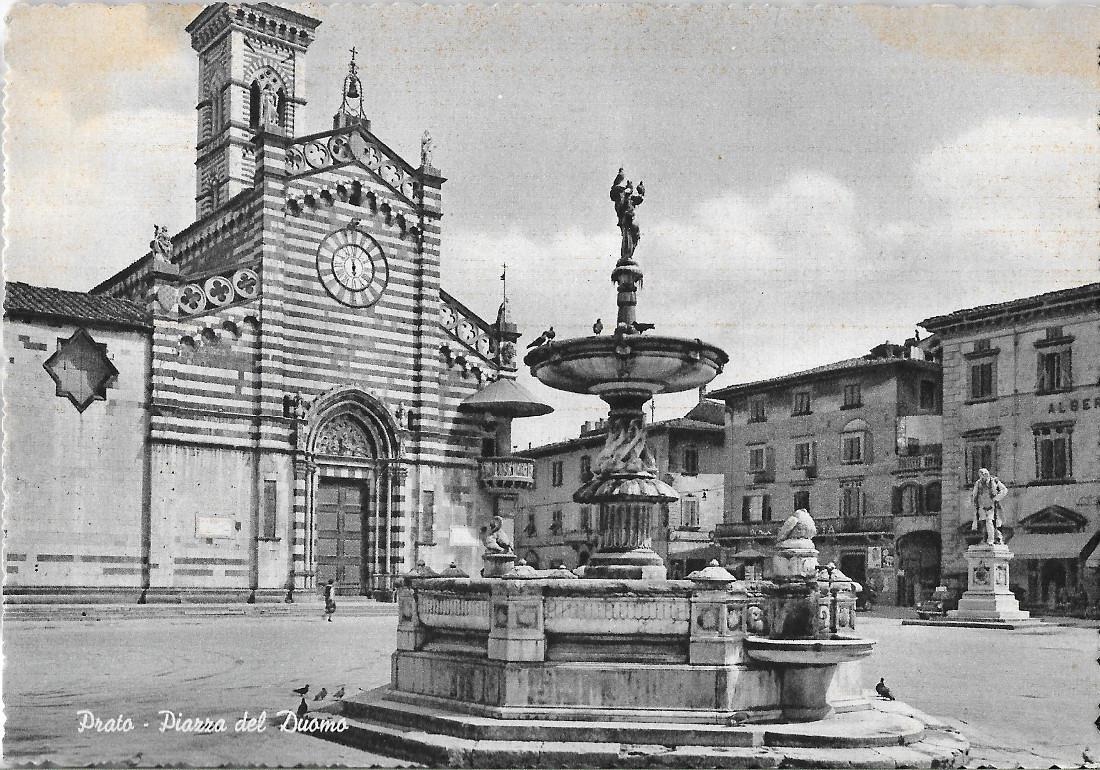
80,369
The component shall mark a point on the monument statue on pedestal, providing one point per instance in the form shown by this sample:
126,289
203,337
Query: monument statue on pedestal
988,599
987,494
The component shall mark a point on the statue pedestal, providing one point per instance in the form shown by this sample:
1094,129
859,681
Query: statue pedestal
497,564
988,596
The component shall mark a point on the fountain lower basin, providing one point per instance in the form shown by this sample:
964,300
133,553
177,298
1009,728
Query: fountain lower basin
806,669
808,652
638,363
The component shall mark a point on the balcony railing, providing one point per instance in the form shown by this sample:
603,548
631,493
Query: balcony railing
762,476
744,530
506,475
920,463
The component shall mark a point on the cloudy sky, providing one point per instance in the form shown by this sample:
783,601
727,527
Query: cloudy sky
819,179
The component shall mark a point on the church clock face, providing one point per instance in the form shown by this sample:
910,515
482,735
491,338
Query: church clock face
352,267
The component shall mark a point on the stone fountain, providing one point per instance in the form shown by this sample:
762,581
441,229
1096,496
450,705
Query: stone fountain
623,668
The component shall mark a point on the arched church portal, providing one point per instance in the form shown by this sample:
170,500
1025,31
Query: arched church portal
354,506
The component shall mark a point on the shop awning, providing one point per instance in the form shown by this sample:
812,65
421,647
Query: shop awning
749,554
1065,545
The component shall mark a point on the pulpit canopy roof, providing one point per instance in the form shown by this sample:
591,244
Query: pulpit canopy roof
505,398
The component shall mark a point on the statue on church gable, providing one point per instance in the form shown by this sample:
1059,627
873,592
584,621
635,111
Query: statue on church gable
427,147
161,244
626,198
269,106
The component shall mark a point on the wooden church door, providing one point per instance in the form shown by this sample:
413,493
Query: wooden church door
341,511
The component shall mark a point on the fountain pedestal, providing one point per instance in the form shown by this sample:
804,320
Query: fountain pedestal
988,597
498,564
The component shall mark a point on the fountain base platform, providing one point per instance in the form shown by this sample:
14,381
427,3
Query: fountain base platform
883,735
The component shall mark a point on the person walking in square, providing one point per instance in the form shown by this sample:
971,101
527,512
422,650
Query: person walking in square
330,600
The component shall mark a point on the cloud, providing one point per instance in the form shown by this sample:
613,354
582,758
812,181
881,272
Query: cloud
1016,197
803,274
82,204
1043,41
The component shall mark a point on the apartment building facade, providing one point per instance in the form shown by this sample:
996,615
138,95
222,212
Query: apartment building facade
857,443
1021,385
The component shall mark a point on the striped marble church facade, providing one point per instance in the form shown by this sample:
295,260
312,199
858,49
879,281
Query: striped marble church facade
304,368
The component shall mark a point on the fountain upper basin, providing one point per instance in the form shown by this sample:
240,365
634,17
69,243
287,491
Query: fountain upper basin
808,652
640,363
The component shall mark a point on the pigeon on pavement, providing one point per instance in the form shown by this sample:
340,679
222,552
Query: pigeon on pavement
302,690
320,694
883,690
339,693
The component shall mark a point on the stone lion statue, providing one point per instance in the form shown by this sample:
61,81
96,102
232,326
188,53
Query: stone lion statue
799,526
497,541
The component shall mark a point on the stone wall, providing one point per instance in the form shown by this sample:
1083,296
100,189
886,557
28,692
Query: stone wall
75,482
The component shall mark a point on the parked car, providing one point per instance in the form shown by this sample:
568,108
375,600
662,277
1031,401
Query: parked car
937,605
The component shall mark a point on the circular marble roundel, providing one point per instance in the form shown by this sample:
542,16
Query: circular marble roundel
352,268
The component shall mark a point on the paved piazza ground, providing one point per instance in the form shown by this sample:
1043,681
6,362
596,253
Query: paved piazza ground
1024,698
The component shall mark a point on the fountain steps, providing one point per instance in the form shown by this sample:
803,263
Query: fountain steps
435,737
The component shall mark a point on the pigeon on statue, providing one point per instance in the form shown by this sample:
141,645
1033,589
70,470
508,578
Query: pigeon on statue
641,327
320,694
597,328
883,690
339,693
543,338
301,690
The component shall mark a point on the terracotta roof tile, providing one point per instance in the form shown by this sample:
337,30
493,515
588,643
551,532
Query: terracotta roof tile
22,299
863,362
1023,303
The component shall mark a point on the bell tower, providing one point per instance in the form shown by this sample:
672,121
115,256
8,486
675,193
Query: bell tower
251,76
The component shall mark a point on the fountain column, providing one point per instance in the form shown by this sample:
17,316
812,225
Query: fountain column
626,489
626,369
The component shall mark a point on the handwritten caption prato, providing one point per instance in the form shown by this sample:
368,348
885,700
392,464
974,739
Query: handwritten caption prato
177,722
